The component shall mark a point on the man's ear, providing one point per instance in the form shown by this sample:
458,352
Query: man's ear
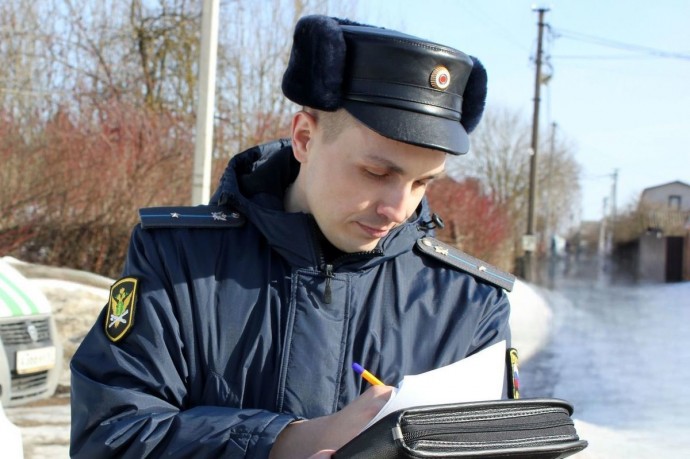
303,129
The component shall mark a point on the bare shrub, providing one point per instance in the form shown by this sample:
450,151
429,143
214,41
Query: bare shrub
82,178
474,222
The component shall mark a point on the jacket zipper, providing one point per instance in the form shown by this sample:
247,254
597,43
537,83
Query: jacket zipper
328,271
327,294
327,268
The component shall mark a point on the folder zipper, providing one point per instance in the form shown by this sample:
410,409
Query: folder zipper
411,434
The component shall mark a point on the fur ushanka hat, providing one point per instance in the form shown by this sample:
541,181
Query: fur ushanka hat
403,87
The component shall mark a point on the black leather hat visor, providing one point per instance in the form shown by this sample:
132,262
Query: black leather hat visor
411,127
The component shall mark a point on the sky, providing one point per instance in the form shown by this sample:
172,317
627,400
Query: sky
619,91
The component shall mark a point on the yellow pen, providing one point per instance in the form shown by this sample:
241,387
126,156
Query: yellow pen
366,375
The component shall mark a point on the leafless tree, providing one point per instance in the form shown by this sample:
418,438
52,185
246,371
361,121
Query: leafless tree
500,157
559,186
166,41
254,46
29,78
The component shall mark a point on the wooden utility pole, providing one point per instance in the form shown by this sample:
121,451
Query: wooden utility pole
529,240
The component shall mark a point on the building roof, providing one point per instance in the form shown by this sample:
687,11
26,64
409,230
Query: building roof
675,182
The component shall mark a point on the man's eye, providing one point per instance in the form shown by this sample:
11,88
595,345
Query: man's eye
375,174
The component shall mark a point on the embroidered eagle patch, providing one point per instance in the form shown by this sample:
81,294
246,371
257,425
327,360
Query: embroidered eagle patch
121,308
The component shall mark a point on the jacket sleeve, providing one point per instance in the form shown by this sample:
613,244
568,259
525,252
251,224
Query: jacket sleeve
138,397
493,325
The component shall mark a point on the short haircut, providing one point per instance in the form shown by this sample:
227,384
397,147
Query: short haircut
332,124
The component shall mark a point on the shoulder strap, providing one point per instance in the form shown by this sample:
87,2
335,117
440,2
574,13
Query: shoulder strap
190,217
459,259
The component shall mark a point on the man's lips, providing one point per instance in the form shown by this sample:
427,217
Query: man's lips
374,231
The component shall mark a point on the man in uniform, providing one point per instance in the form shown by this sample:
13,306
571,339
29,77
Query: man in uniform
234,327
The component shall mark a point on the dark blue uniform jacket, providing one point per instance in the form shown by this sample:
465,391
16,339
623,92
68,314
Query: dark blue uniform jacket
242,325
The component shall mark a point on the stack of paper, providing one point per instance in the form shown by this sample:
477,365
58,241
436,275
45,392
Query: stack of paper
475,378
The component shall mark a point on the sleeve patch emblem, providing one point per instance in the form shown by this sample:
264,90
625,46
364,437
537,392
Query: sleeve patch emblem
121,307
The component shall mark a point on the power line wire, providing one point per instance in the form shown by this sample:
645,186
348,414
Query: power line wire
505,32
601,57
577,36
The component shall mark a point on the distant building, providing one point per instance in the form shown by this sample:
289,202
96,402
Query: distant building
672,195
661,252
666,208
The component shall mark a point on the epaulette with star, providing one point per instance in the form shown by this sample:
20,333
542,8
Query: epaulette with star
459,259
190,217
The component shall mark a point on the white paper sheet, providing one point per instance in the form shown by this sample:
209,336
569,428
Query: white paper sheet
475,378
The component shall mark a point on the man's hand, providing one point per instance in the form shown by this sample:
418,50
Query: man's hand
323,454
320,437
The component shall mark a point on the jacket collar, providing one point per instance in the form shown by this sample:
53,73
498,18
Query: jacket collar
254,184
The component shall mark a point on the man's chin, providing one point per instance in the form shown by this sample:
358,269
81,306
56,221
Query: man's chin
356,248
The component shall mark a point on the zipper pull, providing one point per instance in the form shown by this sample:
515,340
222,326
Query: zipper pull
327,295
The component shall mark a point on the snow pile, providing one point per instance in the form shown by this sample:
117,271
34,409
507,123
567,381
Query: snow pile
75,307
530,319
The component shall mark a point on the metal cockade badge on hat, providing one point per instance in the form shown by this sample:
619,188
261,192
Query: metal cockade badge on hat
440,78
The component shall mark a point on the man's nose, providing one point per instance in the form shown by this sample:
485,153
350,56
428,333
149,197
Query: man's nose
394,204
